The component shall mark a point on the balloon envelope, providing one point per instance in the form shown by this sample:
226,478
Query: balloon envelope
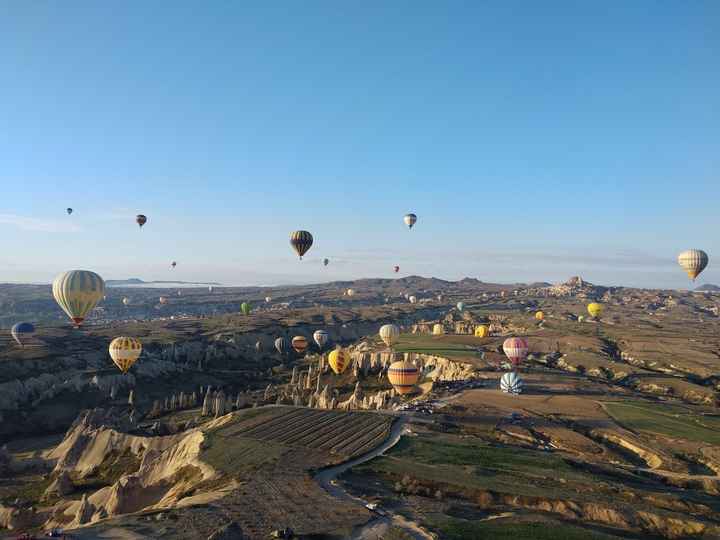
540,316
351,292
403,376
460,306
22,330
412,300
77,292
339,360
268,299
125,351
595,309
482,331
281,345
126,301
396,268
321,337
410,220
516,349
299,344
326,262
301,241
141,220
438,330
511,383
69,211
693,261
389,333
245,308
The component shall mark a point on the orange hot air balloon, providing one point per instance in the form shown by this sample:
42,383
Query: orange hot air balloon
403,375
339,360
300,344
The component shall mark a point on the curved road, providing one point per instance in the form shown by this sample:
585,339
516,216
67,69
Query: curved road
378,527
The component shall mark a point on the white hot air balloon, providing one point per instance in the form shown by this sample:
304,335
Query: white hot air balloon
511,383
321,338
693,261
77,292
389,333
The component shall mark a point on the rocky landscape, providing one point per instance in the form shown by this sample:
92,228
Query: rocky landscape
213,433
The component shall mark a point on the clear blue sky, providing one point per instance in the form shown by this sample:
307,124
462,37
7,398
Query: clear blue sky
535,140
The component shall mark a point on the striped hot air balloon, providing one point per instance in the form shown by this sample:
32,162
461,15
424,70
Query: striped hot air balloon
516,349
321,338
339,360
693,262
482,331
511,383
438,330
410,220
245,308
21,331
125,351
77,292
403,375
141,220
282,345
299,344
301,241
389,333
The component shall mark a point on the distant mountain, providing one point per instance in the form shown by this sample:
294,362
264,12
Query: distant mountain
539,285
133,282
708,287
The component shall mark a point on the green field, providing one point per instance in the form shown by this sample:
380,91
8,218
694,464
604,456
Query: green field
435,345
671,421
455,529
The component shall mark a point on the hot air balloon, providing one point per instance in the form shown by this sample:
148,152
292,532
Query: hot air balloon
439,297
339,360
69,211
511,383
482,331
211,289
595,309
516,349
396,268
321,338
581,318
540,316
78,292
301,241
245,308
125,351
326,262
300,344
460,306
389,333
173,264
126,301
163,300
438,330
282,345
141,220
258,346
410,220
351,292
179,293
403,375
268,299
22,330
693,262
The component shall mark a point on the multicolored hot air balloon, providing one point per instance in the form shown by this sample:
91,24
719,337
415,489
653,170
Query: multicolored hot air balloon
326,261
540,316
78,292
126,301
438,329
389,333
460,306
595,309
22,330
141,220
69,211
511,383
282,345
396,268
321,338
410,220
300,344
301,241
403,375
482,331
516,349
125,351
339,360
245,308
693,261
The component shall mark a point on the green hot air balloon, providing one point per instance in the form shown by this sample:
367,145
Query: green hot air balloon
245,308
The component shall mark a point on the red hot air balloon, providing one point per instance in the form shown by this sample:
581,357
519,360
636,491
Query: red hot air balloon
516,349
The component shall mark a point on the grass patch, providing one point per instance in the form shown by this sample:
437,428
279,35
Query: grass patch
671,421
455,529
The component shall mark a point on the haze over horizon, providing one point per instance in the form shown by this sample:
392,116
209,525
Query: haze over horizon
562,140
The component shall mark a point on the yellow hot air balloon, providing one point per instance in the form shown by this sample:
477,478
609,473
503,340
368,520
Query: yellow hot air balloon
389,333
77,292
595,309
403,375
540,316
438,330
125,351
339,360
482,331
693,262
